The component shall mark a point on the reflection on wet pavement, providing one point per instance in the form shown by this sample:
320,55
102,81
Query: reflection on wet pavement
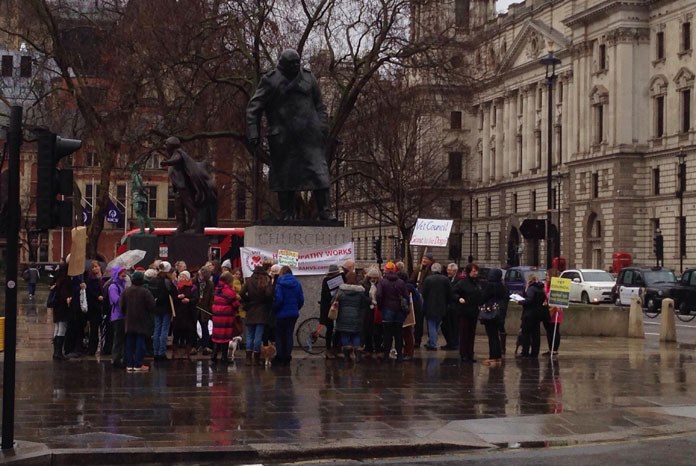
597,385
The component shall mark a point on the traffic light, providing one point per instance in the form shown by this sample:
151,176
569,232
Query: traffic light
377,248
658,247
51,181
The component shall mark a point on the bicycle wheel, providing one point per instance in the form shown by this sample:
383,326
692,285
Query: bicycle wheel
683,313
311,337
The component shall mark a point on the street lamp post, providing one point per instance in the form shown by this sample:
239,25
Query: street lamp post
550,61
681,187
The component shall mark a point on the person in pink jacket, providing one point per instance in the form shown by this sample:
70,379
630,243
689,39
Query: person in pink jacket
552,337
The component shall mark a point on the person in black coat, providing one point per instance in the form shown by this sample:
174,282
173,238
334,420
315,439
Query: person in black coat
437,295
532,305
467,295
495,295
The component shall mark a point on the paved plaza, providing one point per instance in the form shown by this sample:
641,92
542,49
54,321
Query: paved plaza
599,389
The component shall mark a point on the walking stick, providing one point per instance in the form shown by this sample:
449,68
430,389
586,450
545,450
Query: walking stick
553,340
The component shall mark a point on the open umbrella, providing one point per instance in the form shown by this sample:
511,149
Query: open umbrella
126,260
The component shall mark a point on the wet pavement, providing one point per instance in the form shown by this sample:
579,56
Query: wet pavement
599,389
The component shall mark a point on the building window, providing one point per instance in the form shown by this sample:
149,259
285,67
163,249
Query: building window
595,185
455,208
686,37
492,172
537,138
540,98
660,45
560,92
476,208
91,159
489,207
461,14
171,204
686,110
153,162
455,120
241,202
489,245
656,180
476,246
7,65
151,201
602,58
659,116
520,152
599,124
554,194
25,67
480,120
494,115
532,202
559,144
455,166
514,202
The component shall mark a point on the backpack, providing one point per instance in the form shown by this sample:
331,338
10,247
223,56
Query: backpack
160,291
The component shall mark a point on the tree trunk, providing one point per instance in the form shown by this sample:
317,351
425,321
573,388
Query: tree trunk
107,157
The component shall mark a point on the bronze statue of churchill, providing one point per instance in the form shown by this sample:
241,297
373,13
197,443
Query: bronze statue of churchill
297,130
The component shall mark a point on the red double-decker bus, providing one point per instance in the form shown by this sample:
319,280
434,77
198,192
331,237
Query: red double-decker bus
224,243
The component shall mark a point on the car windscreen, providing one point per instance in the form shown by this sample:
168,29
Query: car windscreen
541,274
598,277
653,277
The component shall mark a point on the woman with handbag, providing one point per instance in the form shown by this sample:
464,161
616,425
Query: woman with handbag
352,305
257,298
467,294
492,314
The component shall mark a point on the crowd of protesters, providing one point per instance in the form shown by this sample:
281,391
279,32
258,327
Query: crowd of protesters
377,314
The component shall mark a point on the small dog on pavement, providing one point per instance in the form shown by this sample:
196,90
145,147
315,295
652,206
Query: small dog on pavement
268,352
232,348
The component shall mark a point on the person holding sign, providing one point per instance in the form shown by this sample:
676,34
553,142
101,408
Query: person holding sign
553,326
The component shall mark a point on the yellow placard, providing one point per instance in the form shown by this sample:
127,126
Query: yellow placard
560,292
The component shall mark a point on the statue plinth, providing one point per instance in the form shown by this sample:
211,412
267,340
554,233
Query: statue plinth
148,243
191,248
300,238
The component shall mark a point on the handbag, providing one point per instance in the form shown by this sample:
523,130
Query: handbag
489,310
410,320
544,315
52,300
378,317
333,310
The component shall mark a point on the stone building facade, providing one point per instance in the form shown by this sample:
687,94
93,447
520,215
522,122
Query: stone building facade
621,115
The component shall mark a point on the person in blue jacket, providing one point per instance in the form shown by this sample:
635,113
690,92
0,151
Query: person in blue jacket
287,302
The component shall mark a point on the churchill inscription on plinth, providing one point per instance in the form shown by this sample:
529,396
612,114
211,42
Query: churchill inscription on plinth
303,240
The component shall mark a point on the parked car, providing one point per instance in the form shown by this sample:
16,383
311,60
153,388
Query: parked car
516,277
684,293
653,283
589,286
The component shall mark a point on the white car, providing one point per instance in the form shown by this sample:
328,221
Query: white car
589,286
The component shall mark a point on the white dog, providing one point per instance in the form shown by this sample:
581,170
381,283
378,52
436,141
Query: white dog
232,348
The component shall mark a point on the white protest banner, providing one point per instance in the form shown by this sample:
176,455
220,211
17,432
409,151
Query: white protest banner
315,262
431,232
289,258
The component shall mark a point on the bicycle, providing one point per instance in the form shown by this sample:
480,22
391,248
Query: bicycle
311,336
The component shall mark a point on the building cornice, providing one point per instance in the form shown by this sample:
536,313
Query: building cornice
603,9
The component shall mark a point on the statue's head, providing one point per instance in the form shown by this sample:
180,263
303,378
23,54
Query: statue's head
172,143
289,63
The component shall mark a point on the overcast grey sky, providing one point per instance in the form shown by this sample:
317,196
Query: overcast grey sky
502,5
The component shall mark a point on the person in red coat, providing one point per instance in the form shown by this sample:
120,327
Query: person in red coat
226,324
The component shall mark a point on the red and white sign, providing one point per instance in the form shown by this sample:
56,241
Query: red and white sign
315,262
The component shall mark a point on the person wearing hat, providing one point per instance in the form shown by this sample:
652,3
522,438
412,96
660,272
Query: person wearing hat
257,298
373,331
226,265
391,290
137,306
436,300
329,286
